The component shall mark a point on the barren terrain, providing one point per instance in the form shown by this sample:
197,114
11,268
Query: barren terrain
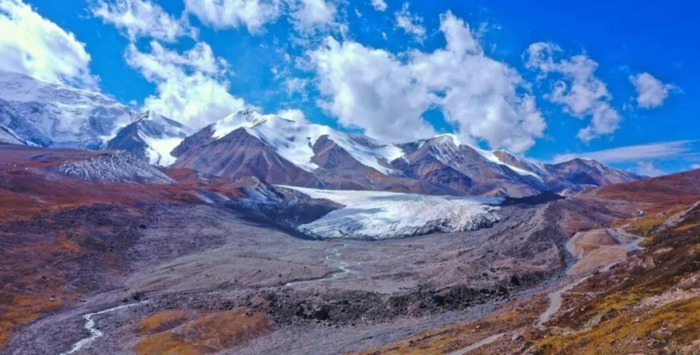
204,260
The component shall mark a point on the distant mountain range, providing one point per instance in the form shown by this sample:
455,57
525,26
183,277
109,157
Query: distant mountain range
281,150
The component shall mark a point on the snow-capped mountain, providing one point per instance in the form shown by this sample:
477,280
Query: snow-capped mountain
280,150
294,140
285,151
58,115
295,152
151,137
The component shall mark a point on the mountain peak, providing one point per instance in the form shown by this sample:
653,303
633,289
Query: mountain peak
247,118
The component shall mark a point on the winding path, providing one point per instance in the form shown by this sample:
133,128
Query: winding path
631,241
478,344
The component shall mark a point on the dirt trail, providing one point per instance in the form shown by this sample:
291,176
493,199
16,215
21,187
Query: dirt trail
555,301
478,344
626,240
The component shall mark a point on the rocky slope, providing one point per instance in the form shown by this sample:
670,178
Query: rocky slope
113,167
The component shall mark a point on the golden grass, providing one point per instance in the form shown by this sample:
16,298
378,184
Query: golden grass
661,329
181,332
647,224
162,321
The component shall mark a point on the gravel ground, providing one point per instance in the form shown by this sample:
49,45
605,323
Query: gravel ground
326,296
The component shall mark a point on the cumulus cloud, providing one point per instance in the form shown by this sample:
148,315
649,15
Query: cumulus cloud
633,152
379,5
292,114
308,15
651,92
221,14
141,18
410,23
647,168
305,15
370,89
386,96
37,47
695,166
576,87
191,86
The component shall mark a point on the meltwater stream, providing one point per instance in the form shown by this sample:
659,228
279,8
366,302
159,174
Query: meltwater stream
91,327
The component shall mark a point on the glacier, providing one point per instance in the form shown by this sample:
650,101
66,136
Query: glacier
376,215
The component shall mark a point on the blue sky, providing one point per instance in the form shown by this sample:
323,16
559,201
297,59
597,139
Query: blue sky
548,79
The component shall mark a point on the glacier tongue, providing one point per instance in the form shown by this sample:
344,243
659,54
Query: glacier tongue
385,215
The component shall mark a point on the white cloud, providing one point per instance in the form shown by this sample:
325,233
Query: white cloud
191,86
577,88
370,89
294,85
305,15
292,114
632,153
141,18
379,5
221,14
375,90
648,169
695,166
35,46
651,92
410,23
311,14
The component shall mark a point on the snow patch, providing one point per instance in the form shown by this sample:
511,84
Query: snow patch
490,156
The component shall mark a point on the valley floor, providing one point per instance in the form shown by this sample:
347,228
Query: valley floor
193,278
192,268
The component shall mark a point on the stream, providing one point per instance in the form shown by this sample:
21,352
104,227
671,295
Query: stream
343,267
91,327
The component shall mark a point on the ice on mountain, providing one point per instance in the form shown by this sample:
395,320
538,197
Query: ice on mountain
385,215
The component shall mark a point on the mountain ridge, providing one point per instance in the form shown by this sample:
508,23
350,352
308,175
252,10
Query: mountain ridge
281,150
